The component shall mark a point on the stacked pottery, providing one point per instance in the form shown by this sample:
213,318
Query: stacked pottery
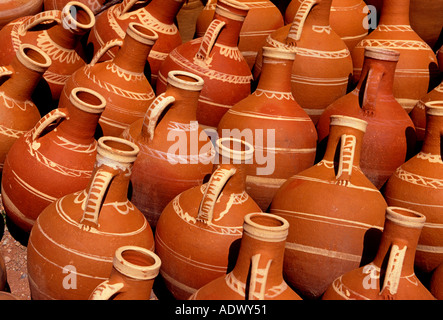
120,80
258,272
418,185
95,5
390,276
323,64
417,67
18,112
175,152
58,34
72,245
217,59
156,14
197,234
390,135
283,135
262,19
52,160
335,213
12,9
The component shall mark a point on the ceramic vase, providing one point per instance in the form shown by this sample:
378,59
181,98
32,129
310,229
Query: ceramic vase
11,10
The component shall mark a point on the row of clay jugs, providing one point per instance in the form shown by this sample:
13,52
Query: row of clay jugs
156,14
390,275
95,5
57,33
348,19
176,154
262,19
283,135
51,160
390,134
120,80
323,64
73,242
418,185
18,112
335,213
198,232
217,59
11,10
258,271
417,68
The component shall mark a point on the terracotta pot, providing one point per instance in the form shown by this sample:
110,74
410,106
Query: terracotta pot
3,274
156,14
336,234
216,58
120,80
347,19
394,263
57,33
18,112
417,68
418,185
198,231
436,286
73,242
258,272
132,277
95,5
283,135
323,64
263,18
50,161
390,135
175,152
13,9
187,18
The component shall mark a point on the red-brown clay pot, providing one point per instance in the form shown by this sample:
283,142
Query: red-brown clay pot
120,80
73,242
323,64
283,135
132,277
390,135
436,285
418,185
7,296
440,58
3,274
198,231
95,5
335,213
175,152
390,276
417,68
50,161
258,272
263,18
156,14
18,112
348,19
217,59
57,33
13,9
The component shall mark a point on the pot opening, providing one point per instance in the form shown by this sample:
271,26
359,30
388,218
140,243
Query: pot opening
138,258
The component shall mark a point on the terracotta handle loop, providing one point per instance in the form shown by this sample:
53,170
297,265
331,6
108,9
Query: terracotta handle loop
70,21
44,122
299,20
373,82
347,153
106,289
153,114
393,270
105,48
50,15
126,5
209,39
6,71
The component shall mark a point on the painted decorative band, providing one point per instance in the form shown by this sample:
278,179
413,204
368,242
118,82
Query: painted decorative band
339,120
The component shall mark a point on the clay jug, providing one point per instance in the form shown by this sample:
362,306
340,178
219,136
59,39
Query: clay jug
418,185
283,135
390,276
18,112
436,285
50,161
417,68
335,213
348,19
132,277
156,14
263,18
198,232
323,63
216,58
390,136
13,9
175,152
95,5
121,80
57,33
258,272
77,235
3,274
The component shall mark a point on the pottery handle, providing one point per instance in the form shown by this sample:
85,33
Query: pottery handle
259,276
153,113
107,46
299,20
213,189
6,71
209,39
347,153
54,15
45,121
373,82
126,5
393,270
105,290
